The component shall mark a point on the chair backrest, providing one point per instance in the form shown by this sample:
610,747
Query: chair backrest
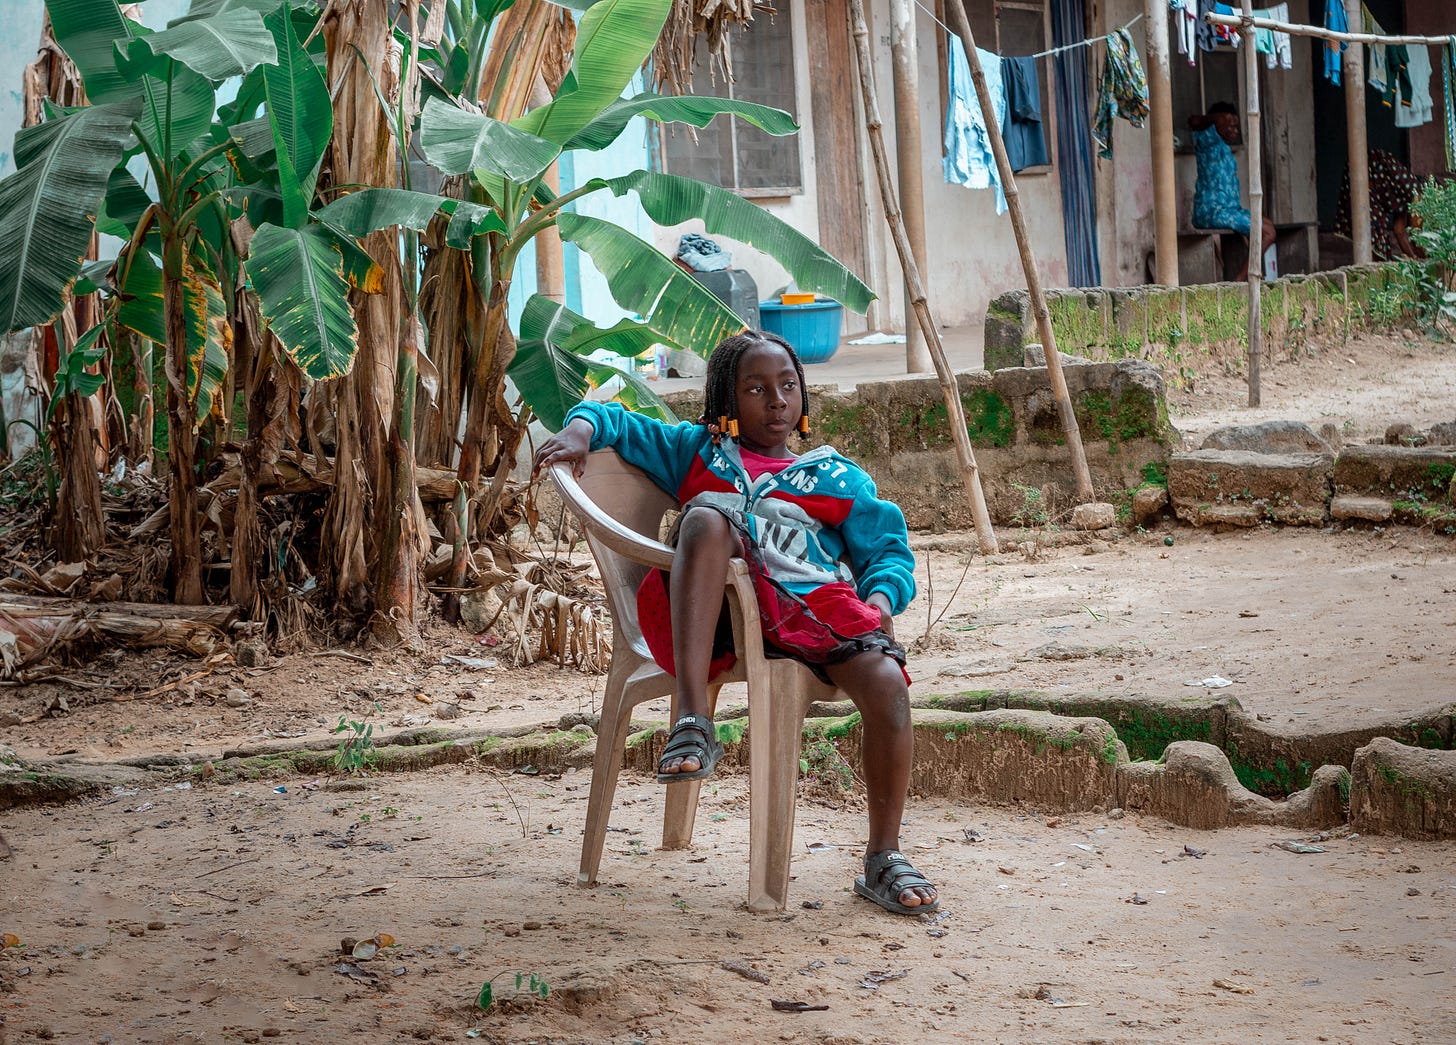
612,491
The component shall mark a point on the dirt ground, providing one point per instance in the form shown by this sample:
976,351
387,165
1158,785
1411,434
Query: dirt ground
214,913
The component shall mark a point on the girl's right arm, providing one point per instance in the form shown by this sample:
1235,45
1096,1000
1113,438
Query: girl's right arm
663,451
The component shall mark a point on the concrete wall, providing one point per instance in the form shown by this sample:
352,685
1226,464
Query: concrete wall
898,430
1181,329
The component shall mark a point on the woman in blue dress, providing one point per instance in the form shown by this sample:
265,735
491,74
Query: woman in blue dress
1216,195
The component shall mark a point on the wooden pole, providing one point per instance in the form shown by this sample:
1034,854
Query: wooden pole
962,26
1297,29
1356,140
905,59
970,473
1256,205
1160,102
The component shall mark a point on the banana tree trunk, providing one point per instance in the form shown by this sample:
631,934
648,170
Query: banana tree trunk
362,152
139,425
487,419
186,562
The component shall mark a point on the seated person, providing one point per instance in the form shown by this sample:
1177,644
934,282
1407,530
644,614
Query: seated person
1216,195
1393,188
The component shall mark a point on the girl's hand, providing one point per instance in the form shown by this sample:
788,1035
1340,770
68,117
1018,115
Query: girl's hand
568,446
881,602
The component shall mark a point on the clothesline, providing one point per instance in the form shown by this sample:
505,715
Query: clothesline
1039,54
1296,29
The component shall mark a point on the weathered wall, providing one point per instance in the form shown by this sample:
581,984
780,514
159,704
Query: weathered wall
898,430
1182,329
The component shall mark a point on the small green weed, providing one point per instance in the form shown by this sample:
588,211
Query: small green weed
355,753
534,984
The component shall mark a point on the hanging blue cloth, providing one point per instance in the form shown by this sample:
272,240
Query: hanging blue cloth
1074,144
1025,142
969,160
1336,21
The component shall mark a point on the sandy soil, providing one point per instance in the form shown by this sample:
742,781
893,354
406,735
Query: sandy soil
215,913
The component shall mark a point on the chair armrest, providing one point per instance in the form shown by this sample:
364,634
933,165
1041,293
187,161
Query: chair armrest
603,528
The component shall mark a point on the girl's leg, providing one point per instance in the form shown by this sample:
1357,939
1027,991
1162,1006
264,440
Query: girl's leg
705,543
876,685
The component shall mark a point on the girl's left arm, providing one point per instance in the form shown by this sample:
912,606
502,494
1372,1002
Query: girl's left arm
879,548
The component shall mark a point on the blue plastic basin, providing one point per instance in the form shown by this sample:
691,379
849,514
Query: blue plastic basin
813,328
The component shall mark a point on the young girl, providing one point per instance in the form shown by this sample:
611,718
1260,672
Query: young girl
831,561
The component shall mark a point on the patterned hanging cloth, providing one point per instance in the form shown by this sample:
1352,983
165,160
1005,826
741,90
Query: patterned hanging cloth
1448,75
1123,91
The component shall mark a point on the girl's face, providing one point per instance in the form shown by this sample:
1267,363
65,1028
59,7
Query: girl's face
770,400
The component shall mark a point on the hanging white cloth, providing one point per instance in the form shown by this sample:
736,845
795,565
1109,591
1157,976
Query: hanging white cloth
969,159
1421,108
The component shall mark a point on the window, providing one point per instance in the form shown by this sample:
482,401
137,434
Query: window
729,152
1215,79
1013,28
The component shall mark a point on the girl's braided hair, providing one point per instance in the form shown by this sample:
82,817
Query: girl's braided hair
721,393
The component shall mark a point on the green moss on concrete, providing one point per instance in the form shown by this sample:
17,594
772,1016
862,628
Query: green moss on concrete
1147,734
1079,321
1117,421
847,426
989,421
1277,781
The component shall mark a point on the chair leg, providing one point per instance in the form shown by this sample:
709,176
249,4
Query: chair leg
775,731
680,811
606,764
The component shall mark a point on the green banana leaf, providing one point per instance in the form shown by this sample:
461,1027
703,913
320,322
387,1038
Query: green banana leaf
669,199
299,277
692,109
673,304
457,141
177,103
212,8
139,287
47,207
209,339
229,43
367,210
613,39
73,373
553,373
123,205
89,31
301,116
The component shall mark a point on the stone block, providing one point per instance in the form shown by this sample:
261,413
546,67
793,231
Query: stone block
1148,501
1194,785
1363,509
1401,790
1241,488
1270,437
1081,320
1095,516
1009,326
1419,474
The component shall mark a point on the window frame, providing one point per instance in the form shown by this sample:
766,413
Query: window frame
721,87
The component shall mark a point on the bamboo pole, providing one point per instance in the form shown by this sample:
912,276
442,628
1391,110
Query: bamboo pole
1160,102
1256,205
1356,141
962,27
1297,29
970,472
907,155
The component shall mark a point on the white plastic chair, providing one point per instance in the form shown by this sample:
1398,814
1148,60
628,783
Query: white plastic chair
621,510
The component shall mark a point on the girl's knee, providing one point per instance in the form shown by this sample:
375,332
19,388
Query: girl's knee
701,523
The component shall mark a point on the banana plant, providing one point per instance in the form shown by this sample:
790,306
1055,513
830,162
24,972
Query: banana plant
505,162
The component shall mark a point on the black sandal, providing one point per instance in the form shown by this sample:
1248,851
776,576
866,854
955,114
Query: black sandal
887,875
692,736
